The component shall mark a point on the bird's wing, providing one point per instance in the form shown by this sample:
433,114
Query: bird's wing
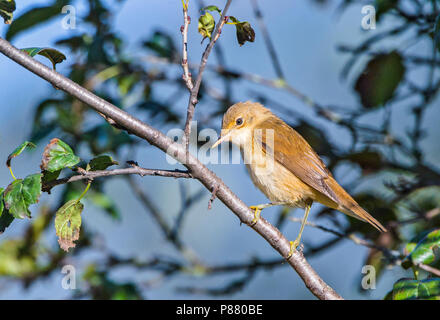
295,154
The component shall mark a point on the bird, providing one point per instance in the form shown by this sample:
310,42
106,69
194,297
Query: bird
283,165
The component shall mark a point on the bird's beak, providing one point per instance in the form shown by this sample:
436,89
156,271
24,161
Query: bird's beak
223,137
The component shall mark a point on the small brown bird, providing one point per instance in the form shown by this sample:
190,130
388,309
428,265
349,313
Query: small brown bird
284,166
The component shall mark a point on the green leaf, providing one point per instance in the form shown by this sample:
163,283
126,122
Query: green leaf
412,244
5,217
380,79
409,289
427,250
244,31
34,17
18,151
20,194
58,155
211,8
101,163
206,25
68,224
7,7
53,55
50,176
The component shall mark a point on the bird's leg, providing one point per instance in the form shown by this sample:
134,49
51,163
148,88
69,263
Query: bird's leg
257,210
294,244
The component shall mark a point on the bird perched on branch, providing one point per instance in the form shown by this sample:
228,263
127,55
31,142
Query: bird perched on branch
284,166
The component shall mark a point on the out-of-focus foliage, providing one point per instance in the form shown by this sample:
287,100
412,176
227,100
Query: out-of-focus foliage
101,287
34,17
378,82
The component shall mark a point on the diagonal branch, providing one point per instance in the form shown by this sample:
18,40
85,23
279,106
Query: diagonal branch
178,151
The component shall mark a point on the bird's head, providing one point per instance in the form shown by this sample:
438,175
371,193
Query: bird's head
239,121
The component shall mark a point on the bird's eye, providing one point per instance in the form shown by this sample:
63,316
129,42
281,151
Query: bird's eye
239,121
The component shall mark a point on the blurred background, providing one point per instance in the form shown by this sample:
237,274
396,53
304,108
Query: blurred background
366,100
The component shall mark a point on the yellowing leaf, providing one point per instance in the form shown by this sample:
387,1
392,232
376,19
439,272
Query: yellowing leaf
68,224
206,25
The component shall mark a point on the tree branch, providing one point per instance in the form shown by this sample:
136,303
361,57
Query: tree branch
184,29
430,269
90,175
193,98
178,151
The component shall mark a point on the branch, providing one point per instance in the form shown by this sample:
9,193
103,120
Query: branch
430,269
178,151
184,29
280,84
390,254
90,175
195,90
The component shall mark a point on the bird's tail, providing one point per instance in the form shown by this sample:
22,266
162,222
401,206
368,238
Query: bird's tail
356,211
350,207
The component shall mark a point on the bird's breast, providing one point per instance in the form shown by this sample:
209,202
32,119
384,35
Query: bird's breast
274,180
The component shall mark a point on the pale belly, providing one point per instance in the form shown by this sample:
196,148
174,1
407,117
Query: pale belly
280,185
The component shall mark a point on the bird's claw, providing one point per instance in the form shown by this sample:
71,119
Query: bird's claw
257,214
293,246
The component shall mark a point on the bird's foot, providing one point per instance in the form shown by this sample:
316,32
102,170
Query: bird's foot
257,214
293,246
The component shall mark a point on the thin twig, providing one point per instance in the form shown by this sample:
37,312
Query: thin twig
193,99
429,269
184,29
279,84
351,236
90,175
